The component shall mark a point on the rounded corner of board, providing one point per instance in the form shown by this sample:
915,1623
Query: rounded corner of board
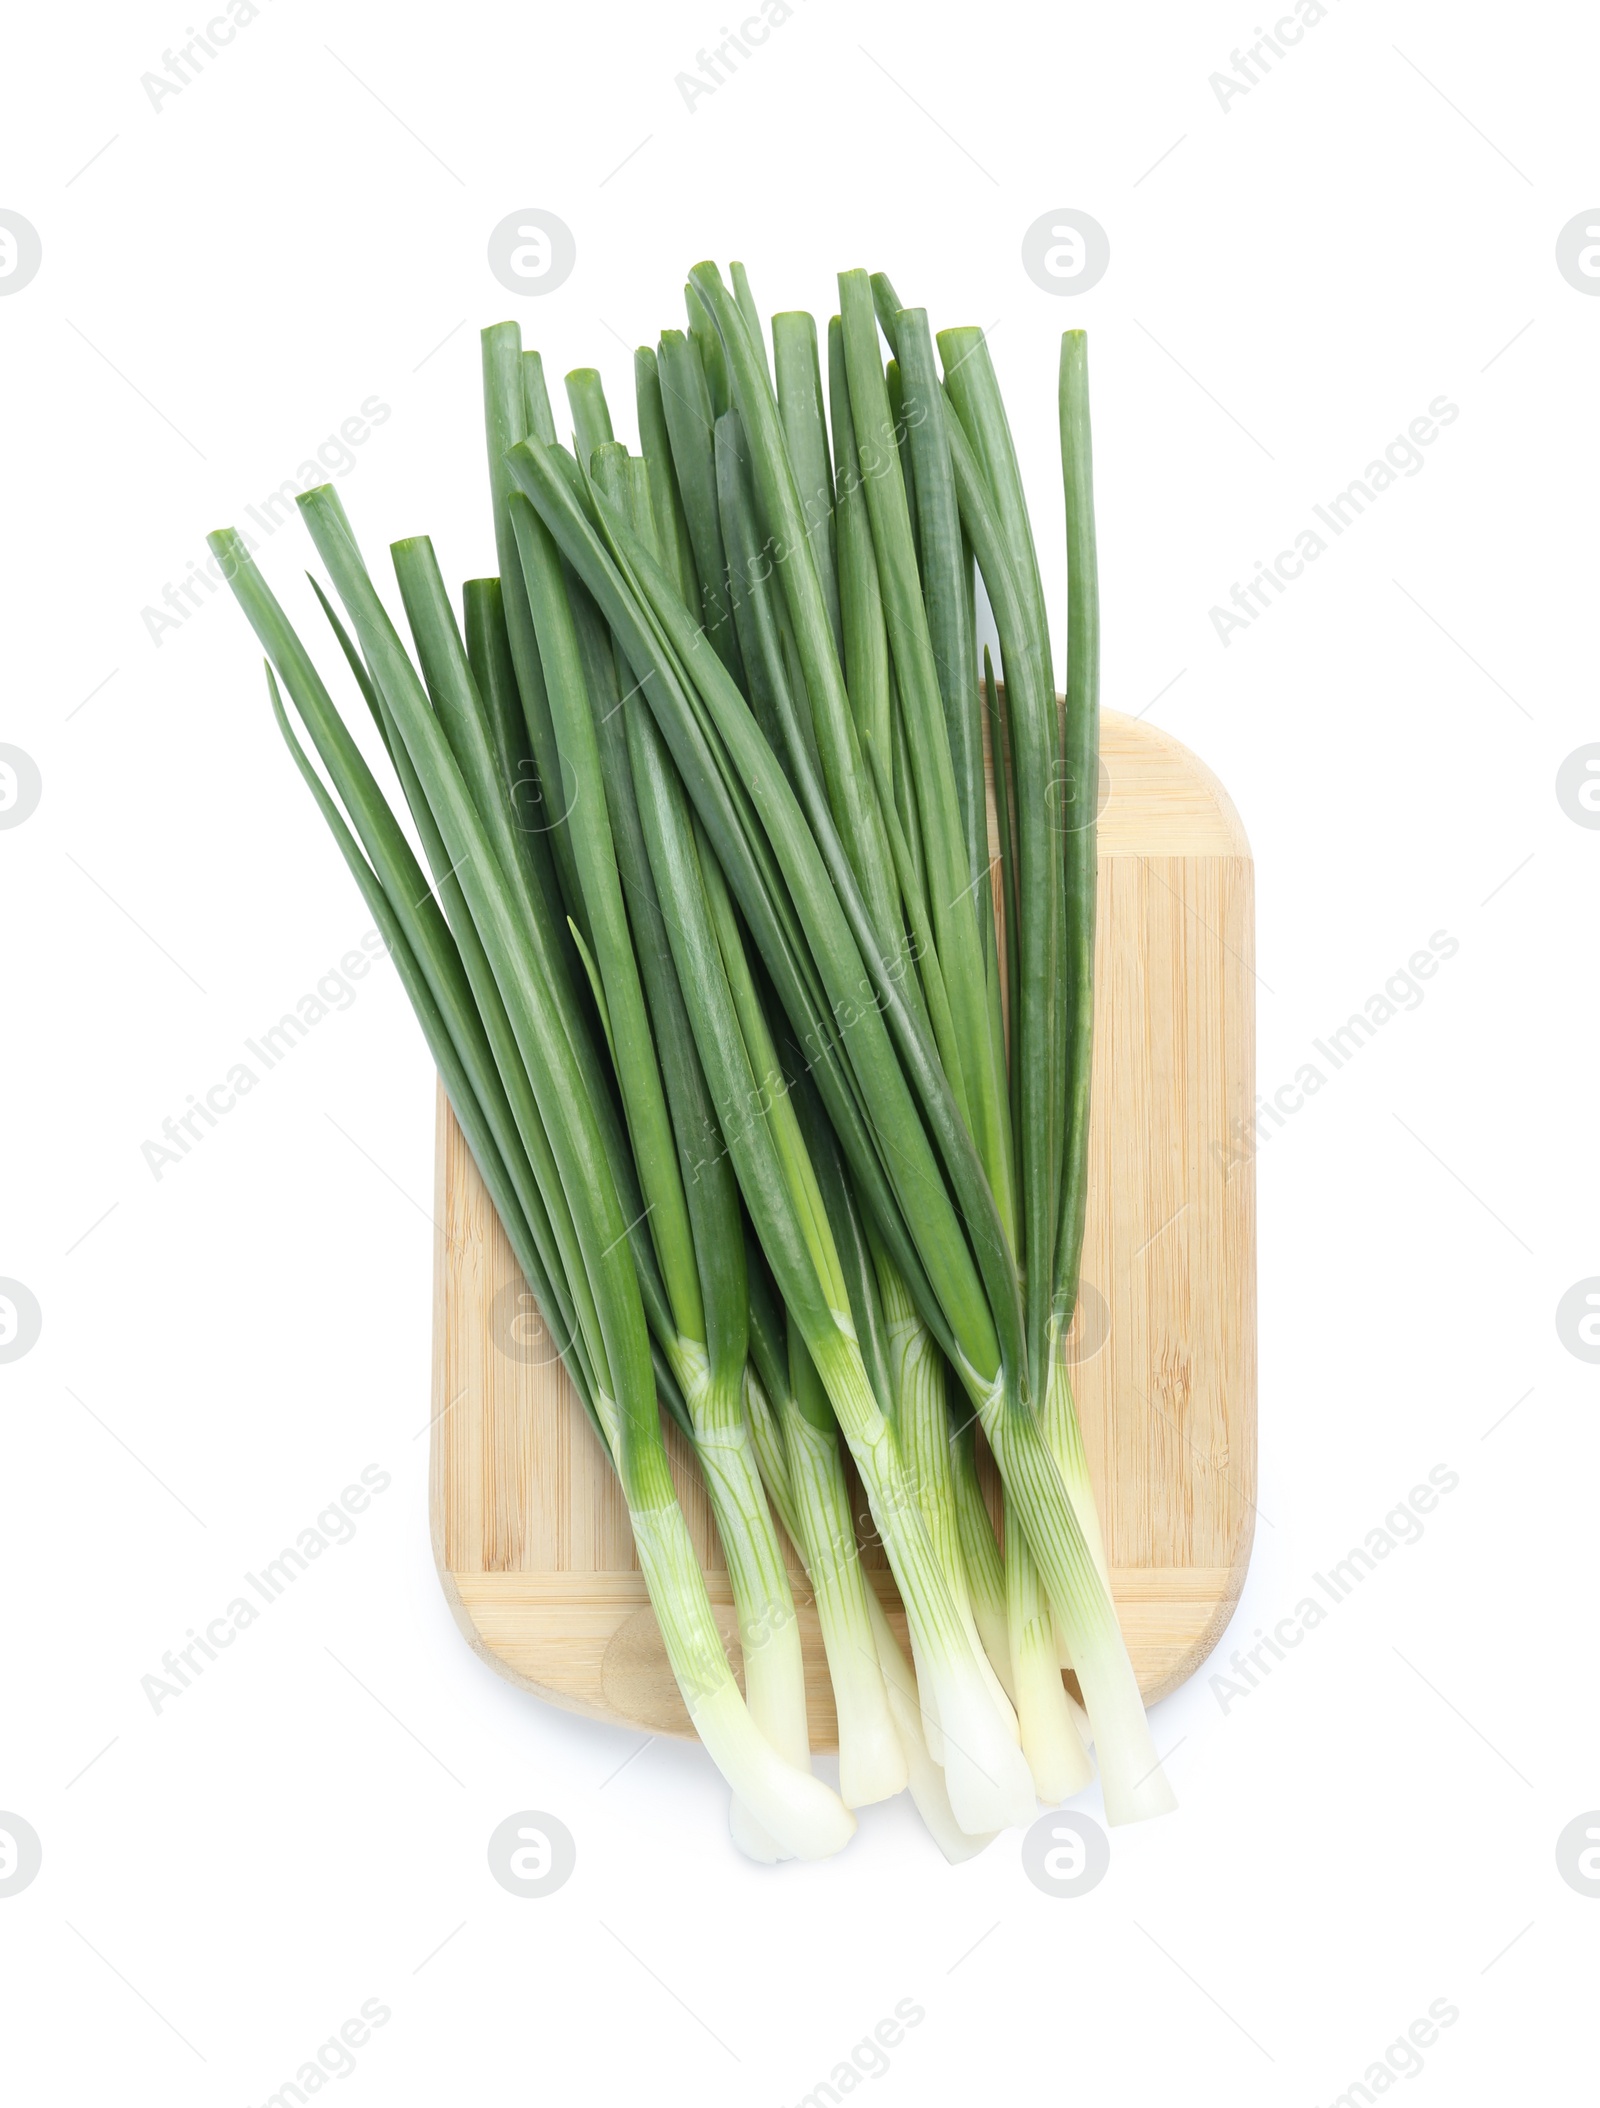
1163,792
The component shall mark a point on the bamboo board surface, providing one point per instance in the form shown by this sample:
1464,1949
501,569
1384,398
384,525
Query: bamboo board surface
529,1529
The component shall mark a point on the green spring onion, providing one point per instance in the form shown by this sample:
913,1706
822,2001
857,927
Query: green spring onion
782,1099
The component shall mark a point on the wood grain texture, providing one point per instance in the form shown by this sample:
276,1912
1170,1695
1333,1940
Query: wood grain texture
530,1532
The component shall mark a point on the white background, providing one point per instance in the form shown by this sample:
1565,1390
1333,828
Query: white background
303,227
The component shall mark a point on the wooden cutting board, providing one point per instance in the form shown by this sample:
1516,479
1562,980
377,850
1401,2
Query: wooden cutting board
529,1530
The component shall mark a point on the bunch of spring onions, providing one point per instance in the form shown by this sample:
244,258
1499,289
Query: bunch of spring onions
777,1076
